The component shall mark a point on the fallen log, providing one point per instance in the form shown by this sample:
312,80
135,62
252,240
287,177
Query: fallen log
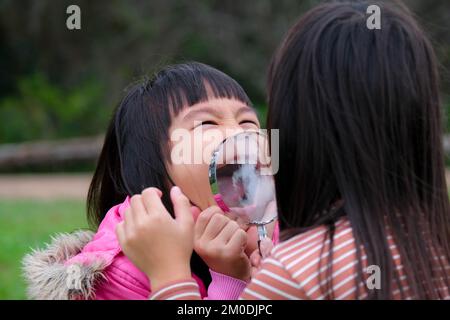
60,152
44,153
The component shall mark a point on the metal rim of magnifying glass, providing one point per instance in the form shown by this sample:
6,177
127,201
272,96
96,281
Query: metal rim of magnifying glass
212,166
212,175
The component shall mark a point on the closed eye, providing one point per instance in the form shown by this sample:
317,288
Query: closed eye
205,123
248,122
208,122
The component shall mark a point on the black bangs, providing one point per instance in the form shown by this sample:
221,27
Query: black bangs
186,84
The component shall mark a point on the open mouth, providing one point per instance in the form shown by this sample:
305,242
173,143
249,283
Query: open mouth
232,183
227,170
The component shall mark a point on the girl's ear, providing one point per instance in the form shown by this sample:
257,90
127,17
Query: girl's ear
195,212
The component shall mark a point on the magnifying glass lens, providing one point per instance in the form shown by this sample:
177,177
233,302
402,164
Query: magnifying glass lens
242,180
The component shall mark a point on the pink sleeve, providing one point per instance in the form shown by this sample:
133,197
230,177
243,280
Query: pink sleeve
276,234
223,287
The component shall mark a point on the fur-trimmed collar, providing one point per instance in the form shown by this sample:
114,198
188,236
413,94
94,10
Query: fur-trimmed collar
49,278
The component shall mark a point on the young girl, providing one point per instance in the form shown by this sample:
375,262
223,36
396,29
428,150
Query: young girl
137,154
361,191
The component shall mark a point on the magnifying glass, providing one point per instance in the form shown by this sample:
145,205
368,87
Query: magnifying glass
241,180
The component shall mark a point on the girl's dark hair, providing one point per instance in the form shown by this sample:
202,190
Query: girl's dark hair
360,121
135,151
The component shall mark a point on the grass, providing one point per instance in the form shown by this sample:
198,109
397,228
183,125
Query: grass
29,224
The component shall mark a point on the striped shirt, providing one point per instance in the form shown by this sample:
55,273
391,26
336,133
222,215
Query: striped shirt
299,269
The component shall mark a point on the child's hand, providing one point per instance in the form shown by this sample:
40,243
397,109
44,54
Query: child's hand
221,243
155,242
256,259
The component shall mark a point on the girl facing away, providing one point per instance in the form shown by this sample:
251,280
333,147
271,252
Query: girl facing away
137,154
361,192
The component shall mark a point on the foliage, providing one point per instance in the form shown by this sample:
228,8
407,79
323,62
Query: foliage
82,73
41,110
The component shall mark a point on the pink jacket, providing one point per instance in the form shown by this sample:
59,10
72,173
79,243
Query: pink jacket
124,279
83,265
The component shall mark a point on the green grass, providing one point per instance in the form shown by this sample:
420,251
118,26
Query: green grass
29,224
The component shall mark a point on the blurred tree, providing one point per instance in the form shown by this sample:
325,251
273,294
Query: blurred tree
121,40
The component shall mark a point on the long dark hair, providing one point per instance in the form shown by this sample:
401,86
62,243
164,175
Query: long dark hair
135,151
360,121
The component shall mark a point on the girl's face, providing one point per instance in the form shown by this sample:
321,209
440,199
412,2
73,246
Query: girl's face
197,131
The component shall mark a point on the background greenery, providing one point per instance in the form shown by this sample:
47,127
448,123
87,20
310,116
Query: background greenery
29,224
56,83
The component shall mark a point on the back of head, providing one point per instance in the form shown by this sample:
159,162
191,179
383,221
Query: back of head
360,120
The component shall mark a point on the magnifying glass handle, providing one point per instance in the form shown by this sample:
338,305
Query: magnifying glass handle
262,234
